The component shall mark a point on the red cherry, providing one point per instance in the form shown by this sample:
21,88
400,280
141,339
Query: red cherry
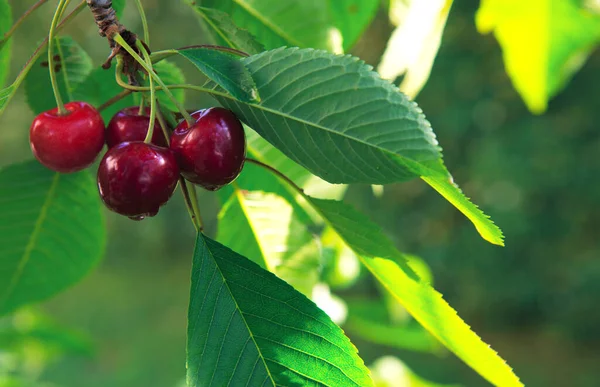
128,125
135,179
70,142
211,153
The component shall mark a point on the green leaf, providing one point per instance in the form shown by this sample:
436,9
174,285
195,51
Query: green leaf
72,68
352,17
369,320
296,23
6,96
246,327
424,303
414,44
337,118
544,43
263,227
119,7
170,74
227,33
226,70
99,87
5,46
52,232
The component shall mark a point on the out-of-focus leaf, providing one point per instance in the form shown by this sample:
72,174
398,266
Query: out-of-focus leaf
389,371
227,33
5,46
119,7
352,17
170,74
424,303
100,86
293,23
52,232
414,44
224,69
246,327
544,43
370,320
334,116
72,67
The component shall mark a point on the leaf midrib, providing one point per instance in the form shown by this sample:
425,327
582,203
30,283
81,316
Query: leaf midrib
409,161
237,307
33,238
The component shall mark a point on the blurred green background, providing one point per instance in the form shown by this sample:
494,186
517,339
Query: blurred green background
534,301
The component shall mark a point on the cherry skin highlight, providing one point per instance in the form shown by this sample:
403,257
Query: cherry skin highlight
70,142
135,179
211,152
128,125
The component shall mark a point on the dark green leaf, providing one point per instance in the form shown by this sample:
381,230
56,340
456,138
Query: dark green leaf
72,68
424,303
352,17
52,232
227,33
171,74
226,70
337,118
5,24
99,87
249,328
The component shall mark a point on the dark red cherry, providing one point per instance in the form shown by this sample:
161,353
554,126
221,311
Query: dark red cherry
70,142
129,125
135,179
211,152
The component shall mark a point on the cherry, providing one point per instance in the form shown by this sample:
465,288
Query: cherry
135,179
70,142
211,152
129,125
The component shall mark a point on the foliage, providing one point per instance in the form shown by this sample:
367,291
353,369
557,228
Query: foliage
314,118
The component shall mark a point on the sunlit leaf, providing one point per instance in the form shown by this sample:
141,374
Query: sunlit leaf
52,232
72,66
414,44
334,116
263,228
224,69
544,43
425,304
5,46
247,327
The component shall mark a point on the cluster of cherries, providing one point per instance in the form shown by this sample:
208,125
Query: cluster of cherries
136,178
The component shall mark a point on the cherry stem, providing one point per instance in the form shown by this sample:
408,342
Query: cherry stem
279,174
119,39
142,104
17,24
144,21
163,124
38,53
150,132
114,100
189,202
163,54
62,5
